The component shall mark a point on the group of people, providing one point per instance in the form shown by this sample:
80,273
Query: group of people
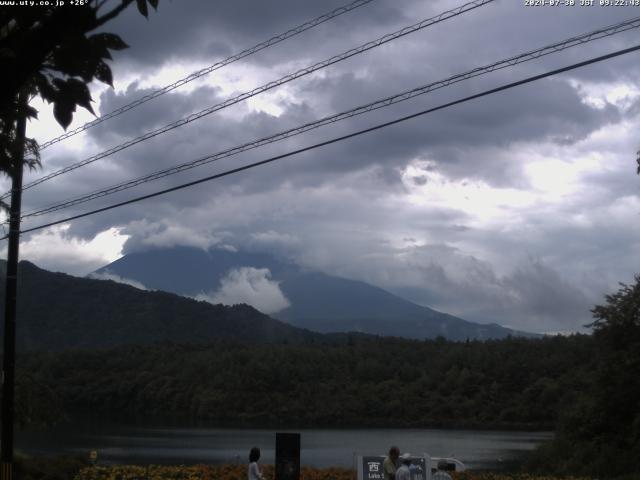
390,467
393,471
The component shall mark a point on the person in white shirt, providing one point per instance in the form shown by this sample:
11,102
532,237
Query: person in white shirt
254,472
403,472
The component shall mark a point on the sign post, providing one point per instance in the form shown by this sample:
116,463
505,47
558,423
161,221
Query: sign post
369,467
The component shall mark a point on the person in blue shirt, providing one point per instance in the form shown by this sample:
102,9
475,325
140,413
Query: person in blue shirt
403,473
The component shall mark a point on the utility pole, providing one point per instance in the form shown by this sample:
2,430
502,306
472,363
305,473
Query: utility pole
9,353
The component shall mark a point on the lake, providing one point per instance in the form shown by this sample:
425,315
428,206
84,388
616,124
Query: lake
319,448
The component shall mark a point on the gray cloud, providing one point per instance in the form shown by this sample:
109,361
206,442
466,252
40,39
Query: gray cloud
205,31
534,296
354,208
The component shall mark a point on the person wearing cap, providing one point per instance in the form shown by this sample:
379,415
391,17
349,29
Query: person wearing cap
403,473
441,474
390,463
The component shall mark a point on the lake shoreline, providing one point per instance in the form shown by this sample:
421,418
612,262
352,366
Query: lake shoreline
245,424
161,443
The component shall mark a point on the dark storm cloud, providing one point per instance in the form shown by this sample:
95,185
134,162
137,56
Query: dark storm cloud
552,111
446,137
342,208
548,113
209,31
151,115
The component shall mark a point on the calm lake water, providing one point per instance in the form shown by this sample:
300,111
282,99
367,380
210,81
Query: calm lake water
320,448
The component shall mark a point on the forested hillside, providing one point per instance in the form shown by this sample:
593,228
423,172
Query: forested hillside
513,383
58,311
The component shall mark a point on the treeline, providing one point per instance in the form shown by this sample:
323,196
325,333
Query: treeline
364,382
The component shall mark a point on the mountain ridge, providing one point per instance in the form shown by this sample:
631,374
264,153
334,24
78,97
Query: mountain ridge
318,301
57,311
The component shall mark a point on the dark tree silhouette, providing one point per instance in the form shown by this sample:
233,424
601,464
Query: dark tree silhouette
52,52
599,433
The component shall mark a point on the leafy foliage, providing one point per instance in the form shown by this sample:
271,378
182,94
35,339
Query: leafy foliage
600,433
49,51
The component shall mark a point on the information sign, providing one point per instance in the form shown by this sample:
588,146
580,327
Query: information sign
370,467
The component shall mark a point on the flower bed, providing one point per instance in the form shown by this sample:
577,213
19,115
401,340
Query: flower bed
201,472
239,472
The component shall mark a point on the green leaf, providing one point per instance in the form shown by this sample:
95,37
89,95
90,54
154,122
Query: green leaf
46,90
85,100
103,73
142,7
78,92
31,112
63,112
71,92
98,48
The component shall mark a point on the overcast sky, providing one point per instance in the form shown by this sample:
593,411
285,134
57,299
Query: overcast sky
520,208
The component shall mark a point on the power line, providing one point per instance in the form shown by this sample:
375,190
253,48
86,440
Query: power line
287,78
276,83
341,138
382,103
216,66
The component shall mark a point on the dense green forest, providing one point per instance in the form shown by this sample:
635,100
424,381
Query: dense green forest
365,382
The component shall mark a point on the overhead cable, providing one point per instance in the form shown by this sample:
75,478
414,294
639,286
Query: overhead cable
216,66
276,83
338,139
385,102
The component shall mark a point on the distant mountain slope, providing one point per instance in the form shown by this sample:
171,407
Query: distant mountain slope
318,301
58,311
186,270
360,307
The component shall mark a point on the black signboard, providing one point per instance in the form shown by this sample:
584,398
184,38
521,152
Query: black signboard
371,467
287,456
